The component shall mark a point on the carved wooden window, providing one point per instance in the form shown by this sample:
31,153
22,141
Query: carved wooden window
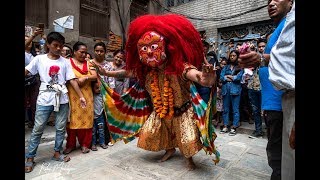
180,2
36,11
94,18
170,3
138,8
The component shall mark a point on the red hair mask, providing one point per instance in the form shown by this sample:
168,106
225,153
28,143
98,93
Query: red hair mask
151,49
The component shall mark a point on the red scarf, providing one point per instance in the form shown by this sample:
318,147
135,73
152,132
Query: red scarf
84,69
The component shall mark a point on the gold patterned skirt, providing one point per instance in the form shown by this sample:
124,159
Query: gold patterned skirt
181,131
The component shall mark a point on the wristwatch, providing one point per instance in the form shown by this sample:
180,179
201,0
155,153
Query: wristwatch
263,61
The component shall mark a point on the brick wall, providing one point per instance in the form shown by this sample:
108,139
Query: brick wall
222,8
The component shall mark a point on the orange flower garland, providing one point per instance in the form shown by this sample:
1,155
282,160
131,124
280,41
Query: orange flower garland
163,105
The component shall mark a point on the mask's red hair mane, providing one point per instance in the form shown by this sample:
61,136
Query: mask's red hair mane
183,43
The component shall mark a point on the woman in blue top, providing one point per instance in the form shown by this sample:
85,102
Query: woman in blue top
231,90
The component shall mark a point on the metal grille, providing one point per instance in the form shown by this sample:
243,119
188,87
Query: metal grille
170,3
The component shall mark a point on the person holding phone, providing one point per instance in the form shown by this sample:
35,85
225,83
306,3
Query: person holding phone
66,51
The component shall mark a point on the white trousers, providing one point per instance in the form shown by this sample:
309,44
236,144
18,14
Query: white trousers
288,154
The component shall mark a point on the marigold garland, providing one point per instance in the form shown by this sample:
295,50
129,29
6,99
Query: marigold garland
162,104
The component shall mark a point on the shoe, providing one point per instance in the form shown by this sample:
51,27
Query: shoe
256,134
103,146
61,158
232,132
110,144
224,130
94,148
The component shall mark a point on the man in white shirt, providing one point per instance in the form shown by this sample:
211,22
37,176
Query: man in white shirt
282,77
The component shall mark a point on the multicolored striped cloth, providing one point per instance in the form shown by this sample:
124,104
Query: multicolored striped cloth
204,113
127,113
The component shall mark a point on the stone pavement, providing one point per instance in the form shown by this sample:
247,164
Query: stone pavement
241,158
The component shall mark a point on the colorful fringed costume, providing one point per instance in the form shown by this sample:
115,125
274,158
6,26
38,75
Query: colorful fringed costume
164,108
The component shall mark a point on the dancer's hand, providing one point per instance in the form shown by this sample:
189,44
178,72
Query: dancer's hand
208,75
100,69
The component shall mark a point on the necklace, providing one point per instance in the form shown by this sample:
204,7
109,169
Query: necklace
162,104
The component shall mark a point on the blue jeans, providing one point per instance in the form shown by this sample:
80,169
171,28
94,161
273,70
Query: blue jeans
98,125
255,101
234,101
41,118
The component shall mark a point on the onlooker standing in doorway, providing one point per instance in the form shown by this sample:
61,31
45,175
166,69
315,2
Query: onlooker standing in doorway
231,76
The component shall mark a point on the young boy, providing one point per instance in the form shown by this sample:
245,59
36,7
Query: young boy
99,118
54,72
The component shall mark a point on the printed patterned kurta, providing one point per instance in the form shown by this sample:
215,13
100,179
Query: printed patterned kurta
81,118
181,131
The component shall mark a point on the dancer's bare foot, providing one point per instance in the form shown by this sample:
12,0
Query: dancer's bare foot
191,165
167,155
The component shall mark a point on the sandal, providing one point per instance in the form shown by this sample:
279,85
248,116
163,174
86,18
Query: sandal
68,150
103,146
28,166
62,158
85,150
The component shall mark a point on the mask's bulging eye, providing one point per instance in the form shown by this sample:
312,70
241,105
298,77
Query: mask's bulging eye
144,48
154,46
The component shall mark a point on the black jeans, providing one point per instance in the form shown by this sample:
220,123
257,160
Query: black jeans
274,123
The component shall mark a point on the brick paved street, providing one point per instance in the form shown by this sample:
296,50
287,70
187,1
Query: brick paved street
241,158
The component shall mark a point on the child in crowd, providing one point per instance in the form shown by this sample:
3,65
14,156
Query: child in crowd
219,105
218,116
99,118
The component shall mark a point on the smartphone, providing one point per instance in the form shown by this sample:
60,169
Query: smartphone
41,25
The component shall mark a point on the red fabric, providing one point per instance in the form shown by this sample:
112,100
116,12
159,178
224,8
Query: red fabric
182,39
71,138
84,137
84,69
